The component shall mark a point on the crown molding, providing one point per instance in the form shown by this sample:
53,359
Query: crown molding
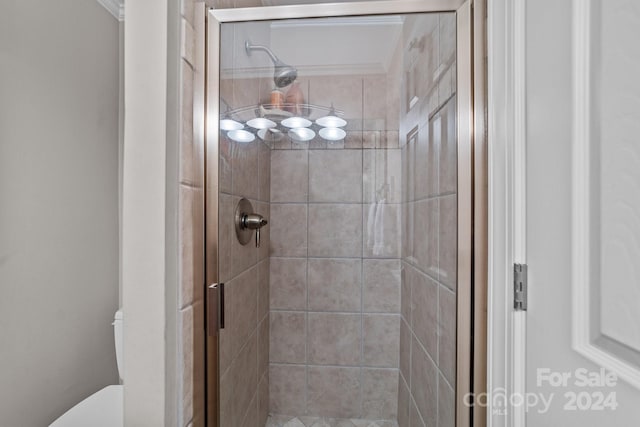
115,7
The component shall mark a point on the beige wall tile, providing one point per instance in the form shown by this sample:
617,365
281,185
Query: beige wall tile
405,349
226,350
388,139
335,284
424,312
382,175
426,235
244,169
381,340
335,176
289,175
448,245
288,337
344,92
263,288
288,283
446,404
334,392
226,398
187,368
251,416
246,380
242,307
263,346
199,374
264,172
186,248
404,400
405,291
371,138
225,233
224,173
415,419
246,91
381,285
187,10
374,97
353,140
287,385
335,230
188,45
263,400
447,334
334,339
188,159
288,230
424,382
379,394
382,234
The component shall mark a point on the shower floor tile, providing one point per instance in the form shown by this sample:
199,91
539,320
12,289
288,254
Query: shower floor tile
302,421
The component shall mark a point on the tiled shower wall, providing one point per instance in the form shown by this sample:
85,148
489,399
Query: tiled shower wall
429,205
244,269
335,259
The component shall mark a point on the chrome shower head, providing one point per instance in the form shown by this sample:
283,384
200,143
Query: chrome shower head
283,74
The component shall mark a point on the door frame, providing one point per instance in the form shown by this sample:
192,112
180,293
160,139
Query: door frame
472,169
506,328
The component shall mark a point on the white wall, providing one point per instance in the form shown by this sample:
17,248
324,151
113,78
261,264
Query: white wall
144,209
58,206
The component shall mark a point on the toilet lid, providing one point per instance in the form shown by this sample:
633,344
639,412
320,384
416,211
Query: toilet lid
101,409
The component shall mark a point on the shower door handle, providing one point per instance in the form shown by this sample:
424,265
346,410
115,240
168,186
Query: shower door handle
215,308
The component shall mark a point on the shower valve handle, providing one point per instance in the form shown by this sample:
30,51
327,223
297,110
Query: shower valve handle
245,222
254,222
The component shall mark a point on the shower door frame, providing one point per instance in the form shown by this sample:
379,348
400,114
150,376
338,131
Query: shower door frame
471,170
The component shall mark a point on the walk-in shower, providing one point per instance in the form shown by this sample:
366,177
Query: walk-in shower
351,310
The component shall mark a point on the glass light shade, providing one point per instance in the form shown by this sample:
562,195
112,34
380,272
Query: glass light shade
261,123
239,135
296,122
301,134
332,134
331,122
228,124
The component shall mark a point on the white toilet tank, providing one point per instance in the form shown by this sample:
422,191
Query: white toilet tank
104,407
118,335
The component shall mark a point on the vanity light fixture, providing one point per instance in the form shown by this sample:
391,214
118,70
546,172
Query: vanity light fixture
240,135
261,123
271,123
229,124
332,134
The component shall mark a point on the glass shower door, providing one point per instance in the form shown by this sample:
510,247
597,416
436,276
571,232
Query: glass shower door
343,134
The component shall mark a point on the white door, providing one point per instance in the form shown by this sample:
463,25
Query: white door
583,212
